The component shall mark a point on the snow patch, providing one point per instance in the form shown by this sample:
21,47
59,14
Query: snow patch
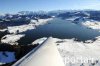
11,39
39,41
19,29
92,25
22,28
42,21
2,30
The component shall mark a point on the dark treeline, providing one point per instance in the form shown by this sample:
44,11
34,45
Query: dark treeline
20,50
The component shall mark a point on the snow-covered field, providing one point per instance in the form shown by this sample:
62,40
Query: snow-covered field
11,39
19,29
39,41
77,53
32,25
2,30
92,25
41,21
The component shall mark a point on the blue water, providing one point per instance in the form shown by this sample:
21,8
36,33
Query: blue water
60,29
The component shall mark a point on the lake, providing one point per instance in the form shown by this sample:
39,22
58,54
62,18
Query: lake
62,29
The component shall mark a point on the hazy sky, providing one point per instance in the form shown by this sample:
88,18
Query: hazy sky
13,6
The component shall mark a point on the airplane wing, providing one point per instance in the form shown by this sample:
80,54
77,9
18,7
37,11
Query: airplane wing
45,54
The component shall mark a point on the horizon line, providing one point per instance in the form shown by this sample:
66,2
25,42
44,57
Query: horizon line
53,10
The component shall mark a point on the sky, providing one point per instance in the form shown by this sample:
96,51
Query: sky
13,6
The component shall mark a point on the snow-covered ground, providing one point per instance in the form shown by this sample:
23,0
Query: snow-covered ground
39,41
11,38
2,30
75,53
7,57
22,28
40,21
92,25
